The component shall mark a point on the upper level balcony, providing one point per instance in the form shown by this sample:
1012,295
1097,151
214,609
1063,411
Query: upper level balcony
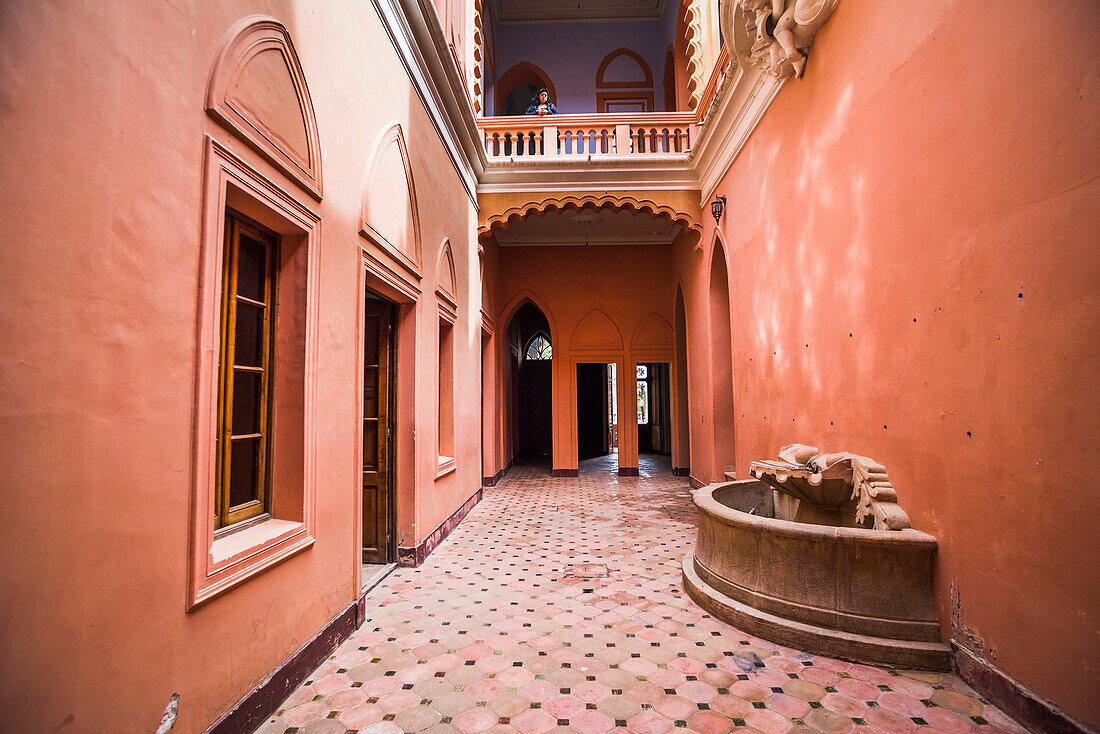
532,139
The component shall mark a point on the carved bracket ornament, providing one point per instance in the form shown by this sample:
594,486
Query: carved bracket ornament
855,484
775,35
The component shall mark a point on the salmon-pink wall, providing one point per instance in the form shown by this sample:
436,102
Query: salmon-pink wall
911,240
103,149
569,283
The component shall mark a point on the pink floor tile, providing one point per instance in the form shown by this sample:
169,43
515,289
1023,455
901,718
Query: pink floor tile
502,631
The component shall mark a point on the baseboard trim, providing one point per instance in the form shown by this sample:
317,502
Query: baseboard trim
695,483
565,472
411,556
681,471
1006,693
264,700
492,481
628,471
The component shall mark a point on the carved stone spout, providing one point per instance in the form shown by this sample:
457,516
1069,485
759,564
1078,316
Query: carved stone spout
838,488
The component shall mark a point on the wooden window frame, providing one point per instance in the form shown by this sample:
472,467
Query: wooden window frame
446,449
221,560
228,517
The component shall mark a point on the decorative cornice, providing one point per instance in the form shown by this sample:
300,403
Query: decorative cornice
734,99
742,98
696,63
414,30
477,82
669,172
576,202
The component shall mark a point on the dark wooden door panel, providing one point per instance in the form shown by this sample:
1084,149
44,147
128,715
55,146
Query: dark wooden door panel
377,411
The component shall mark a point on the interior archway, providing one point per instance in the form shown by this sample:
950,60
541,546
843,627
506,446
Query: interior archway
516,87
528,391
721,364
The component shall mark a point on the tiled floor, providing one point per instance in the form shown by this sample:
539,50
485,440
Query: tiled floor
557,606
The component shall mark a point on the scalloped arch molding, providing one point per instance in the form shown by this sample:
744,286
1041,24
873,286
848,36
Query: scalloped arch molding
577,202
258,91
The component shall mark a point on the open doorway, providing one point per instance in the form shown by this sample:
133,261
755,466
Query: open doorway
377,542
530,372
654,415
597,417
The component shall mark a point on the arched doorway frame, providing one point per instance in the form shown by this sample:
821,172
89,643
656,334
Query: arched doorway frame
522,72
505,322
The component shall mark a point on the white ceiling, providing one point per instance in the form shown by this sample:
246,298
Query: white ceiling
567,227
558,11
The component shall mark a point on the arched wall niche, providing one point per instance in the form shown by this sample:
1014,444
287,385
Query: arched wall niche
624,83
446,285
258,91
390,217
721,361
624,68
520,73
653,333
596,332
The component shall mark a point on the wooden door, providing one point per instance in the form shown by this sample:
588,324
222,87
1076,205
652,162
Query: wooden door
377,413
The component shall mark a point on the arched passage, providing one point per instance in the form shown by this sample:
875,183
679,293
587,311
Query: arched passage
527,379
516,87
681,447
721,364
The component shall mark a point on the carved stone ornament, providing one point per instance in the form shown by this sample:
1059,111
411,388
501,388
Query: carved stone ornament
856,485
774,35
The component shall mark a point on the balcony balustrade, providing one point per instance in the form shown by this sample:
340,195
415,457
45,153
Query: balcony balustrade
588,136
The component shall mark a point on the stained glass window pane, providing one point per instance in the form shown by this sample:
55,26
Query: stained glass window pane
643,371
539,348
643,402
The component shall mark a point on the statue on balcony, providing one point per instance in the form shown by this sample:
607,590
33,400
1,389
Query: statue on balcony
781,31
541,104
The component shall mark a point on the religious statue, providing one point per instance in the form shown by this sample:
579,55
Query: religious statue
781,31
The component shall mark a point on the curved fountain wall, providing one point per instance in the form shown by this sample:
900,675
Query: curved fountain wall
852,593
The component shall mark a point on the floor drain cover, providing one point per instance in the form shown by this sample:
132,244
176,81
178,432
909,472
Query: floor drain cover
588,570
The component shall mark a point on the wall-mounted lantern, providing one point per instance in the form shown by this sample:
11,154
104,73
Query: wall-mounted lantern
717,207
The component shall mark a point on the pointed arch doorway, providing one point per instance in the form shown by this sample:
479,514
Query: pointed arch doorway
529,376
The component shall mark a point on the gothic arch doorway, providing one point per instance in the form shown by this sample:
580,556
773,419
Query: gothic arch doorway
528,376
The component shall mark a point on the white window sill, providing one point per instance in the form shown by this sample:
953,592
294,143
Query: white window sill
446,465
234,546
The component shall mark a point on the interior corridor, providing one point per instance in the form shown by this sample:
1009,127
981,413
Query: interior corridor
557,605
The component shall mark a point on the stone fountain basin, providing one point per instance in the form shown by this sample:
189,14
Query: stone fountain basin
852,593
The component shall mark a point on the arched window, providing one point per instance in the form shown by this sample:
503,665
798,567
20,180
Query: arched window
539,348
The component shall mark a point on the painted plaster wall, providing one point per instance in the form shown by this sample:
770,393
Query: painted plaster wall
103,147
567,283
571,53
911,246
